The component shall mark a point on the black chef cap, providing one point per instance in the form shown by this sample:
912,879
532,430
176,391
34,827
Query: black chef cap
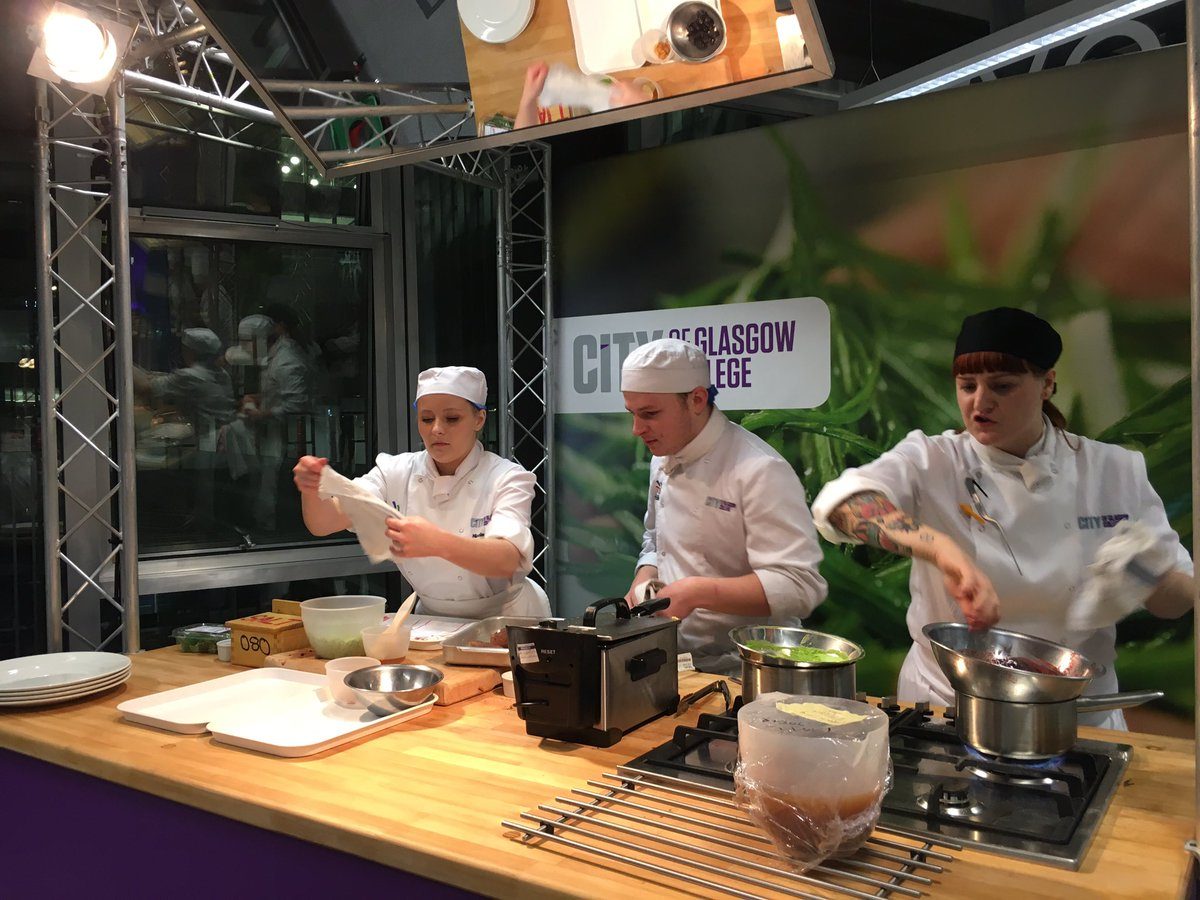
1012,331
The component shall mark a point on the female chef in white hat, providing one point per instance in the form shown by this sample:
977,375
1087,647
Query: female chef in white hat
461,536
1060,559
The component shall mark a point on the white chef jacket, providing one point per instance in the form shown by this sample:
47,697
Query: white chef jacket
1057,506
204,392
488,496
727,505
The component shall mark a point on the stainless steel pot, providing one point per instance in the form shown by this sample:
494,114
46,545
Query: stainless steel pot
762,673
1032,731
1015,713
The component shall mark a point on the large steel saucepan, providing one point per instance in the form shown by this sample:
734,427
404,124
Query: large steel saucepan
1010,702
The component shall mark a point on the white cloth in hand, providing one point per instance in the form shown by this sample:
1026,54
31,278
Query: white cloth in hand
368,513
1127,569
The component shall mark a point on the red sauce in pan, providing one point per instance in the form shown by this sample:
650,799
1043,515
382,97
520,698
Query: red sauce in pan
1020,663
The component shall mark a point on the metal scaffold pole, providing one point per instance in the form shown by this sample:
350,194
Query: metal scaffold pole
122,314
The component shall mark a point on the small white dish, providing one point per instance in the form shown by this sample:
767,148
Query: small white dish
336,671
496,21
225,649
506,682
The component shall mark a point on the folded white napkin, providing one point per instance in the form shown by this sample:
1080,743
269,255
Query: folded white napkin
1127,569
368,513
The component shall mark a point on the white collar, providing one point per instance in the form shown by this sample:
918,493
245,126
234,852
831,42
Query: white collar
1037,466
443,485
701,444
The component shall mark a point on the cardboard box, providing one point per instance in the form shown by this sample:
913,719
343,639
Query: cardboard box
257,637
287,607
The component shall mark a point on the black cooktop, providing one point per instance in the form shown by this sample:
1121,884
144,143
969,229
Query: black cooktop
1044,811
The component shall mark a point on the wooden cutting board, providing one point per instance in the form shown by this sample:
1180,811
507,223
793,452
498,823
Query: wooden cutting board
459,682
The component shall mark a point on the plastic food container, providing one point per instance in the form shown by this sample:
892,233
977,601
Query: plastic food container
812,772
224,650
334,624
199,638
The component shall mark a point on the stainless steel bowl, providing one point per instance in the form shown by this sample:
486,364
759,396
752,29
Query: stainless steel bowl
677,31
792,637
963,656
763,673
387,689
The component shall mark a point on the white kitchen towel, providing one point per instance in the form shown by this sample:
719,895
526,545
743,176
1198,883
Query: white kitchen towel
1127,569
368,513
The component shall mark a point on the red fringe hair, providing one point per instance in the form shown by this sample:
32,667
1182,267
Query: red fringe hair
985,361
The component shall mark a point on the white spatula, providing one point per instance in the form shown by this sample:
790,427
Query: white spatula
402,613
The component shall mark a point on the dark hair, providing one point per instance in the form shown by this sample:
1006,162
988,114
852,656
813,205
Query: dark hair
984,361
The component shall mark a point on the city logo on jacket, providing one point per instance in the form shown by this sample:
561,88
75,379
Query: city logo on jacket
1089,522
722,505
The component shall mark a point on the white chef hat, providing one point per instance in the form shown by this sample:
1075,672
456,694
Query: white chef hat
201,340
254,326
460,381
665,366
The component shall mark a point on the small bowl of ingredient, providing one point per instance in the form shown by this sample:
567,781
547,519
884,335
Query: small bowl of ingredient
387,689
696,31
654,47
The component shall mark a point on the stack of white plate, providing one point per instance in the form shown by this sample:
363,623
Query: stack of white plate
58,677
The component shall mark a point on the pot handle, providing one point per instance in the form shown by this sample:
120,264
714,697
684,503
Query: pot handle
1102,702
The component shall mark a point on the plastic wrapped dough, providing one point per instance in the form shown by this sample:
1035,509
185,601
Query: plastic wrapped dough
812,772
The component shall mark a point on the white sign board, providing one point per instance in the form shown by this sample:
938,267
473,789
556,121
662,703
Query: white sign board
768,355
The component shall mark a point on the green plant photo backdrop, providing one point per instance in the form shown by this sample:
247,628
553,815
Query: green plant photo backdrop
1088,237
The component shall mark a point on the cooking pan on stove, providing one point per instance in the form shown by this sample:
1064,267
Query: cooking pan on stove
979,663
1016,695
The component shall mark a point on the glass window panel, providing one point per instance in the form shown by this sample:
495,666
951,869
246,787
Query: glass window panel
257,171
247,356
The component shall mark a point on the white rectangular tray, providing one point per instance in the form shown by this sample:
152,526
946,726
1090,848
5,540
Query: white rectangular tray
607,32
283,712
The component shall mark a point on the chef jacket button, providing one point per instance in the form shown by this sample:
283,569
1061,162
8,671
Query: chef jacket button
1067,525
472,481
460,578
460,531
420,479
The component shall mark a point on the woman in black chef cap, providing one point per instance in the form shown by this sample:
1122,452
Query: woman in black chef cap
1014,519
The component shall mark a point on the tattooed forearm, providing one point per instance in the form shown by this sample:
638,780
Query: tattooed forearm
873,519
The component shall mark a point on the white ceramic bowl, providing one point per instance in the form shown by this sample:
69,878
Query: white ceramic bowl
334,624
378,642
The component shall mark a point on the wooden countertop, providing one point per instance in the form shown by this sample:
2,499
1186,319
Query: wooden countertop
497,71
428,797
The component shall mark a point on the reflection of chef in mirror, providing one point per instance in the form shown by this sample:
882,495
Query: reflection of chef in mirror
727,525
200,389
286,380
285,391
461,533
1014,518
560,86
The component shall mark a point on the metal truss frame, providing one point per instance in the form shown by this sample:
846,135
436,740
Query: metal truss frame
437,111
83,281
526,339
77,123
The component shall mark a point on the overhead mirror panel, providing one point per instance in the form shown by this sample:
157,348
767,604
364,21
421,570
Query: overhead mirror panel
365,84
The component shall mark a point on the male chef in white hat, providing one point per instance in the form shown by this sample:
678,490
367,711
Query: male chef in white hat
727,526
